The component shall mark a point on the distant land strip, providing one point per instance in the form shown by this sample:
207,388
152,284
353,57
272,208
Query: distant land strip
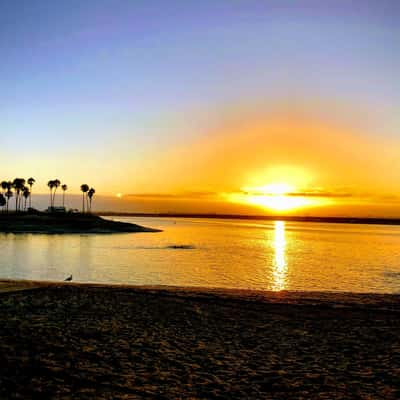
333,220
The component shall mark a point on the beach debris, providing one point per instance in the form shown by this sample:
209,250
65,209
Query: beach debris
69,279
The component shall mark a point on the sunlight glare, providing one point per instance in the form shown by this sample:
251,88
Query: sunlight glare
277,189
278,203
280,265
275,196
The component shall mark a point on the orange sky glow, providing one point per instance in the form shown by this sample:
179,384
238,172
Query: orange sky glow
326,166
285,161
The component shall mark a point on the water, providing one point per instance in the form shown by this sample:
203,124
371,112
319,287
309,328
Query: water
216,253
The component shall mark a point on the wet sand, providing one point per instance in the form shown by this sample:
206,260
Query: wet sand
104,342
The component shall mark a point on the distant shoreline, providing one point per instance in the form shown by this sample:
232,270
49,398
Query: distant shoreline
333,220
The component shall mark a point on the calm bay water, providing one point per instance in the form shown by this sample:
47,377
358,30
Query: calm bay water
216,253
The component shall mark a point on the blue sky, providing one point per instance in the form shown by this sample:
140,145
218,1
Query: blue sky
124,80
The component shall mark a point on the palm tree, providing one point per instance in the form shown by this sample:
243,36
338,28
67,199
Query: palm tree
84,189
4,186
26,193
64,188
8,194
90,195
30,181
50,184
56,183
3,201
18,184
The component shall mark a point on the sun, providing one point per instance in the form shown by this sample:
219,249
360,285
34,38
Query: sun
278,196
272,189
279,202
119,195
275,196
279,189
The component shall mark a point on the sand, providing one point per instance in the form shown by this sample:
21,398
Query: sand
97,342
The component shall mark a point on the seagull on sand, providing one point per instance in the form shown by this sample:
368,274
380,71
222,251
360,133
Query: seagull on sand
68,279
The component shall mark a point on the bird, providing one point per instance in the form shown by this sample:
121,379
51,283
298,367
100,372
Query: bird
68,279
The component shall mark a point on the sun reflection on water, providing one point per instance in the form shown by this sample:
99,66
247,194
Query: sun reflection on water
280,265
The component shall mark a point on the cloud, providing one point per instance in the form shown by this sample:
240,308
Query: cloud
173,196
212,195
313,193
320,194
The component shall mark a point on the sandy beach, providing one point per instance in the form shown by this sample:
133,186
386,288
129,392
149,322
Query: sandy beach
118,342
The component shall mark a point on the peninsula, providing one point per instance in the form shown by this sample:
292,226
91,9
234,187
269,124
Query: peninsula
42,222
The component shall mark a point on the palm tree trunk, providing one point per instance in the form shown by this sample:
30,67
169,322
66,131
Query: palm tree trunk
30,196
83,202
63,198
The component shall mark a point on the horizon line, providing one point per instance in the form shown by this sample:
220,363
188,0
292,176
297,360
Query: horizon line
295,218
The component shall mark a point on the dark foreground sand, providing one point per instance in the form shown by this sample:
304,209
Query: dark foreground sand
88,342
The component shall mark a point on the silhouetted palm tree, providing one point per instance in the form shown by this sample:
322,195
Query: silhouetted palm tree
84,189
53,185
57,183
4,186
64,189
50,184
30,181
26,193
90,195
8,195
18,185
3,201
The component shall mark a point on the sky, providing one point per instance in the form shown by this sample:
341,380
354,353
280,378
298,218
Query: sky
214,106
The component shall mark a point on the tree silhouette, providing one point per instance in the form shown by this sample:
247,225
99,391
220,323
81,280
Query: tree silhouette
3,201
30,181
50,184
64,189
4,186
90,195
8,195
26,193
18,184
57,183
53,185
84,189
23,194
